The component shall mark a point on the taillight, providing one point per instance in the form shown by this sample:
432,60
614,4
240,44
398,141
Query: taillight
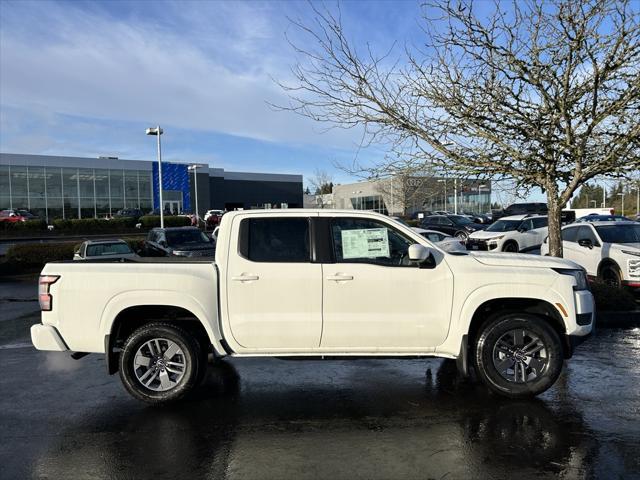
44,297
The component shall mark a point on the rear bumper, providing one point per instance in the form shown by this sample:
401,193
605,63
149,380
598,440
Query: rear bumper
46,337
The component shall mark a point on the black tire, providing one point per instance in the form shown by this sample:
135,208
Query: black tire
190,354
462,235
610,274
529,375
511,246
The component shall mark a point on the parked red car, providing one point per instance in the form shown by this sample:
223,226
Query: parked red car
11,216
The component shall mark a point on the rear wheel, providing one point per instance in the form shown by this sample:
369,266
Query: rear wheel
518,355
610,275
161,363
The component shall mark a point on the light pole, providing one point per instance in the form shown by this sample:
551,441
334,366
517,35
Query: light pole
194,169
444,180
622,195
455,195
480,204
157,131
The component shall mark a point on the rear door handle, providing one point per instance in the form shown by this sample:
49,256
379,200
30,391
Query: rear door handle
245,278
339,277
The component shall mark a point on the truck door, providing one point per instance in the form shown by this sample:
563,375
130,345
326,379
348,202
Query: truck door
274,292
374,298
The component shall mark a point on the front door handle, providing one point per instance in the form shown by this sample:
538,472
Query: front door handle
245,278
339,277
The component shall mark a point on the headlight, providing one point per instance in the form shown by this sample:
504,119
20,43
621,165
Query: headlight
495,239
582,282
631,252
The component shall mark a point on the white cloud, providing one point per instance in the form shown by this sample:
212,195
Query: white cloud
206,68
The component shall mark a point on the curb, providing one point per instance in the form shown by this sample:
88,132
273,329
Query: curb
611,319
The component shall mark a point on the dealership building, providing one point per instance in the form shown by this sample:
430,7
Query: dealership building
76,187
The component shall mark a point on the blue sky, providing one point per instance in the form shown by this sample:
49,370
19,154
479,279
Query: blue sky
86,78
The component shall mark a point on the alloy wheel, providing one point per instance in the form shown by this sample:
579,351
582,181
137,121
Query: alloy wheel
159,364
520,356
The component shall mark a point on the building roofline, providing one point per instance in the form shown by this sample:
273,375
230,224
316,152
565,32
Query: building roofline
27,160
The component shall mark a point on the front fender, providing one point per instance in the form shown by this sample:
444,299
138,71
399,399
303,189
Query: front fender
462,317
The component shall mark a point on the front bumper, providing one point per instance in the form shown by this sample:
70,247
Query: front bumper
46,337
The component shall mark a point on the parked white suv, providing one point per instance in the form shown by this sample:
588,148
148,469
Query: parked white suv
517,233
608,251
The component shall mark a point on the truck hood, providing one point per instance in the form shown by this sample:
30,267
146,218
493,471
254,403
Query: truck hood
518,260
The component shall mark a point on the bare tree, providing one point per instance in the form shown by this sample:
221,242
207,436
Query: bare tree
544,94
322,182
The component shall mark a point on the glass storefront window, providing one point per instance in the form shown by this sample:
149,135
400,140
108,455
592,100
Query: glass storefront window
102,183
85,179
19,182
131,189
54,182
5,200
117,190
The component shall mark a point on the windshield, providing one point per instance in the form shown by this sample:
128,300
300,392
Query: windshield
619,233
504,226
460,220
186,237
107,249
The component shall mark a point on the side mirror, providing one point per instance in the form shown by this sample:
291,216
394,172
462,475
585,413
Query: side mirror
585,242
418,253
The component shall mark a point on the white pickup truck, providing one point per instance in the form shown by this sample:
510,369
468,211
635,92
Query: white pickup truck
318,284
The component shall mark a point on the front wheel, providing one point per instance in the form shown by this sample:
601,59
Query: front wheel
161,363
518,355
462,235
610,275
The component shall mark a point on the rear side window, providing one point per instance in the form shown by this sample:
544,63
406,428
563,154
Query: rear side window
539,222
107,249
569,234
276,240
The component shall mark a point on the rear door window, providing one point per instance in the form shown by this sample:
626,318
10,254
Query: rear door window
275,240
539,222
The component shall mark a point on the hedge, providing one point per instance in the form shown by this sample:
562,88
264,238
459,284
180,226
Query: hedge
28,226
33,256
151,221
97,225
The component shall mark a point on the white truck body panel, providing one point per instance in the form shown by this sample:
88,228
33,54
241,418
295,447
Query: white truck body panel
260,309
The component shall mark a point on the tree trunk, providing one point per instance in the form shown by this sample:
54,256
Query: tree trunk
555,221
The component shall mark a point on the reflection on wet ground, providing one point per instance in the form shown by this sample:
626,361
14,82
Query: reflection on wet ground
265,418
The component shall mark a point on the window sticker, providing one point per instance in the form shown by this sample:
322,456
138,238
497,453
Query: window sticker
365,243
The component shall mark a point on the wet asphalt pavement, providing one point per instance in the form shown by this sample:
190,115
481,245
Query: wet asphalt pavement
275,419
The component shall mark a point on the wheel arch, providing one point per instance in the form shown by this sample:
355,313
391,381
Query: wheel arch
131,318
500,306
511,241
606,262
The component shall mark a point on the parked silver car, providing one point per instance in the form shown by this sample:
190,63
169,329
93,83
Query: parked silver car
106,250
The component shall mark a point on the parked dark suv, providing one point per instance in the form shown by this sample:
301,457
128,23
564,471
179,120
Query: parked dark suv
178,241
455,225
521,209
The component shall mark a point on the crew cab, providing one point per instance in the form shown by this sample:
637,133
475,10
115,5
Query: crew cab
318,284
